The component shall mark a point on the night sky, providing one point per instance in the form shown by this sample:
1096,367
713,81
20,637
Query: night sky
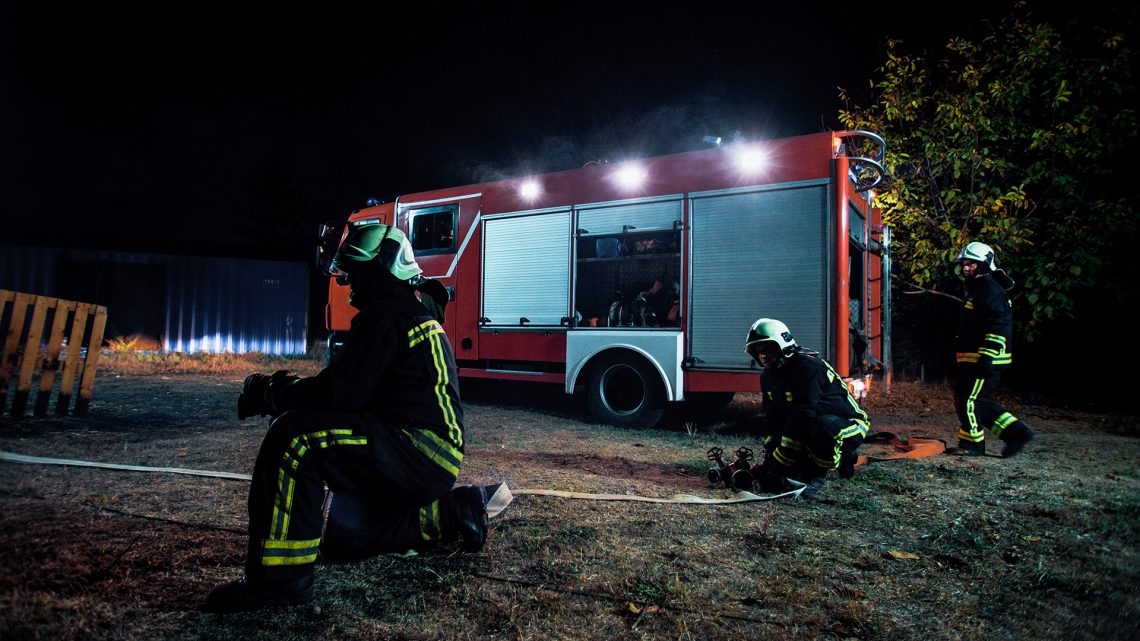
188,125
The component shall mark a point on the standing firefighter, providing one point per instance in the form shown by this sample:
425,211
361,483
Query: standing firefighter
382,426
813,422
983,350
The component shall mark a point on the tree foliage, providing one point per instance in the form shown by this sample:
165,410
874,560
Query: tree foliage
1013,137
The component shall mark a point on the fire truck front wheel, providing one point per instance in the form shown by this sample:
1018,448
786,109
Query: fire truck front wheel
624,390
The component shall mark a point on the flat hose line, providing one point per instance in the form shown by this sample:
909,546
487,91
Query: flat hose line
915,447
740,497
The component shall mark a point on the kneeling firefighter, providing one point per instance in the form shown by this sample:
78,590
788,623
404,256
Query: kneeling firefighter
381,426
812,422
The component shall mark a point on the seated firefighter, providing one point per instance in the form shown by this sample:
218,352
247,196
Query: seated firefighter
382,426
812,422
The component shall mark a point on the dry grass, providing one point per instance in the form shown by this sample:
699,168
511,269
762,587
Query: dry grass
146,363
1037,547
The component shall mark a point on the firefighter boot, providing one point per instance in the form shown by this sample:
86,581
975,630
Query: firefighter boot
847,459
244,595
813,486
469,503
812,476
966,448
1015,436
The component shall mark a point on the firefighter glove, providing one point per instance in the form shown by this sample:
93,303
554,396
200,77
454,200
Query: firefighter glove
252,400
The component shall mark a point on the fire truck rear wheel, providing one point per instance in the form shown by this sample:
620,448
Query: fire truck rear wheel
625,390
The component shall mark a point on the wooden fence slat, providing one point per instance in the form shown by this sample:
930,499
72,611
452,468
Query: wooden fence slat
12,343
91,363
71,364
51,358
6,297
31,356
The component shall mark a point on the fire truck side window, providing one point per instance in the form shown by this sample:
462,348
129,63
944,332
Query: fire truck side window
433,229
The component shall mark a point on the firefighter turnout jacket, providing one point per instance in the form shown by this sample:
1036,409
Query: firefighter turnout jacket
811,412
986,325
397,365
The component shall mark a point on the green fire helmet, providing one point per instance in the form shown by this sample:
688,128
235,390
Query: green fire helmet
770,329
384,244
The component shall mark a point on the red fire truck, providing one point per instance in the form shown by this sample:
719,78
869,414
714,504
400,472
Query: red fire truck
636,282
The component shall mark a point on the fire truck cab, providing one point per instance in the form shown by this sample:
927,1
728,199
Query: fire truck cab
636,282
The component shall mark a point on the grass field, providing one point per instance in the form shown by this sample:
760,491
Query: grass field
1042,546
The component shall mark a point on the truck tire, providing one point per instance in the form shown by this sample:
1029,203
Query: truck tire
624,390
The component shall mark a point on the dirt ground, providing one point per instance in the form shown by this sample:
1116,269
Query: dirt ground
1042,546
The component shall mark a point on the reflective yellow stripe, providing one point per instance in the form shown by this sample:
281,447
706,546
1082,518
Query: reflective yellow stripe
422,332
790,443
974,434
273,544
997,358
997,338
441,452
289,560
279,526
430,331
857,427
1002,422
449,419
430,527
784,452
284,552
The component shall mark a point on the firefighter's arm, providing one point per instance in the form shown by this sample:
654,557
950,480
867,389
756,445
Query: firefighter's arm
350,381
807,385
994,311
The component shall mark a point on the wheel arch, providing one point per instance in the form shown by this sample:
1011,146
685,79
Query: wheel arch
597,358
585,350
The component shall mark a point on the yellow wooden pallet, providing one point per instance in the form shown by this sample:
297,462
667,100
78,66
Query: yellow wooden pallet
75,334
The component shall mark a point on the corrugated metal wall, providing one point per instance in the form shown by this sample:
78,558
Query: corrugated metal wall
208,304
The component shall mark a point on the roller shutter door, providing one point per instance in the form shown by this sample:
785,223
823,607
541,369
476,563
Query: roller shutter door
526,269
758,254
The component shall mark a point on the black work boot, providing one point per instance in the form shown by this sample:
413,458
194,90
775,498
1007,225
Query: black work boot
470,505
966,448
813,476
847,460
813,485
244,595
1015,436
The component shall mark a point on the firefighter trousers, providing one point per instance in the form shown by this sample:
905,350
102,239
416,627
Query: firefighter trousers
974,403
817,445
393,495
